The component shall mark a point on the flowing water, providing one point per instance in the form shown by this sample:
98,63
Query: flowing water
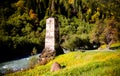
15,65
21,64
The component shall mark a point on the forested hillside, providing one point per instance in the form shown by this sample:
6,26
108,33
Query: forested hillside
84,24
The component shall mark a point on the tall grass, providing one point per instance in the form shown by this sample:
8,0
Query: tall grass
91,63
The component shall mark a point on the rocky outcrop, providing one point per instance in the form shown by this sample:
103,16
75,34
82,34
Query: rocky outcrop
46,56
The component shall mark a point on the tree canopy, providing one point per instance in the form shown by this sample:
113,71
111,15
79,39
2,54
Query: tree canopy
83,24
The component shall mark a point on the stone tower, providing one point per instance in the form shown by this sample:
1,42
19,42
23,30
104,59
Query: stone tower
52,46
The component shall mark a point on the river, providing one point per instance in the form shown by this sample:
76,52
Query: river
20,64
15,65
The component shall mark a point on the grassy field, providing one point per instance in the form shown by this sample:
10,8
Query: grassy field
90,63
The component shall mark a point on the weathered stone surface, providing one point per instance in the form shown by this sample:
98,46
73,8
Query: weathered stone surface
46,56
52,46
55,67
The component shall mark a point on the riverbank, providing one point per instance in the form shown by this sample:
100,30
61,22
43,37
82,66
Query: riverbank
18,65
89,63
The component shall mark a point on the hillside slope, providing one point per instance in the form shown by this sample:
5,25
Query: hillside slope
90,63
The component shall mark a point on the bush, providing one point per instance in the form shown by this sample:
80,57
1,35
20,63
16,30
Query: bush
74,33
106,32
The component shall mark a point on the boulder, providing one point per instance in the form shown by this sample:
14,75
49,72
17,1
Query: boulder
55,67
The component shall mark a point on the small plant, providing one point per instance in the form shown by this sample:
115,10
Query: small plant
32,62
34,51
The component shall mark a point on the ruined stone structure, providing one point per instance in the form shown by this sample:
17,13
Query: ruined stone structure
52,47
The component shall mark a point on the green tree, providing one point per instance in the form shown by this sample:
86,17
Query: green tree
106,32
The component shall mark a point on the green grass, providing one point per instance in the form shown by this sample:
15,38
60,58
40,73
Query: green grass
90,63
113,46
